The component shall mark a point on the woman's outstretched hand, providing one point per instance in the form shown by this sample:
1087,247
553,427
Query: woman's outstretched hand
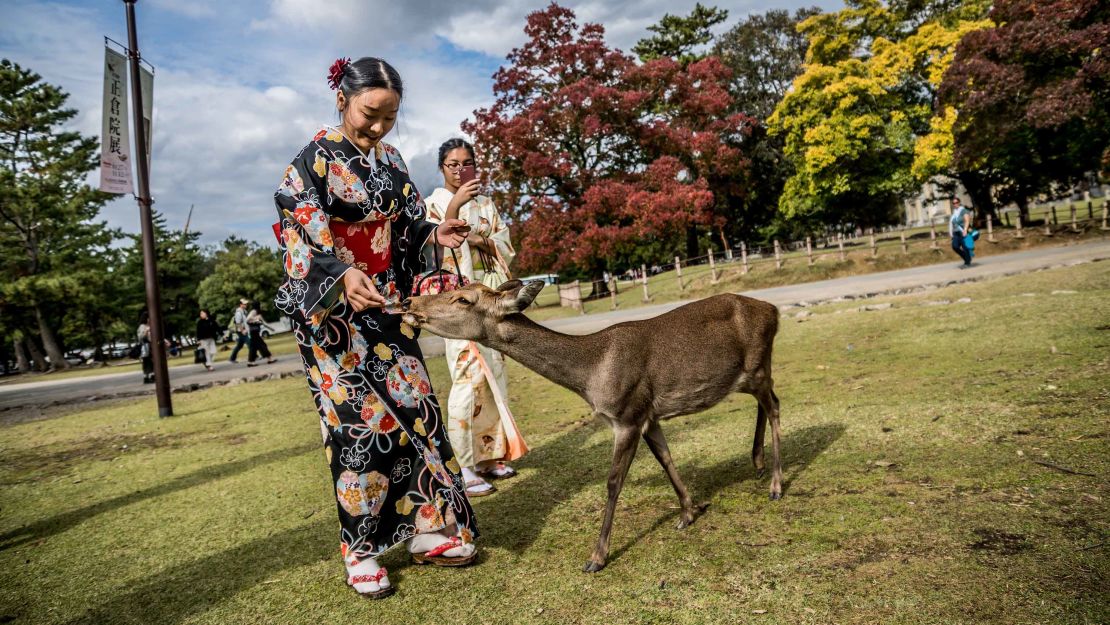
452,232
360,290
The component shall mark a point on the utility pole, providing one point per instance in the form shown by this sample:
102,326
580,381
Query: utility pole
150,269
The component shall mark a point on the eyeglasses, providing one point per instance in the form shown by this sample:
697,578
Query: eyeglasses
453,165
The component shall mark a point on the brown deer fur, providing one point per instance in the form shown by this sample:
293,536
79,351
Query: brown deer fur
633,374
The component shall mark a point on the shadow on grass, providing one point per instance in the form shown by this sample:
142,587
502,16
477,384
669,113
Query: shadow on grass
513,519
567,466
62,522
799,448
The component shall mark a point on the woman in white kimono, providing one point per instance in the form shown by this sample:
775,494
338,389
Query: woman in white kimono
479,423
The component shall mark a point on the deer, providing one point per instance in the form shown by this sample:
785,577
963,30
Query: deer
633,374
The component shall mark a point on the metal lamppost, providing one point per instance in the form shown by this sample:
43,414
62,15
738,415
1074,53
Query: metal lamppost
150,269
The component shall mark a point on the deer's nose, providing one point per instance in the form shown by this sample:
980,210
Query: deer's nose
405,304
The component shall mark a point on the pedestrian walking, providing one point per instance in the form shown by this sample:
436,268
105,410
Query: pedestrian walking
258,345
240,329
207,330
959,226
353,231
483,433
142,334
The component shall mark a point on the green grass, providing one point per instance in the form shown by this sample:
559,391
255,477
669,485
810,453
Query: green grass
225,513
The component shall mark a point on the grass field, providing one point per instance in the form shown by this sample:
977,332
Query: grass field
943,464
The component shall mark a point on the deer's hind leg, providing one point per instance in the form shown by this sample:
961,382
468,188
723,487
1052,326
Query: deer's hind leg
760,436
769,410
657,443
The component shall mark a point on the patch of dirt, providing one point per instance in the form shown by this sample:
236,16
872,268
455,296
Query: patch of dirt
48,461
998,541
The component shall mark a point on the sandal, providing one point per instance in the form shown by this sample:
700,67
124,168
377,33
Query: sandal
499,471
376,578
479,493
435,555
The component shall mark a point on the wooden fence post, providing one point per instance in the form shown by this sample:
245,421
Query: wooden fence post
1017,224
902,235
809,251
874,249
778,255
933,235
644,275
1074,223
678,270
840,245
1104,211
1090,205
744,246
1048,224
1007,216
990,229
712,267
1055,221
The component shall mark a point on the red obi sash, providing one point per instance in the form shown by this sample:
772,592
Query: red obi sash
364,245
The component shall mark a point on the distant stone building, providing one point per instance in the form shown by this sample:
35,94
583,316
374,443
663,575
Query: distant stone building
933,203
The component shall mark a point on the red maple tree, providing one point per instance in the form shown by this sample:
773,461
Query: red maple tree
591,153
1033,95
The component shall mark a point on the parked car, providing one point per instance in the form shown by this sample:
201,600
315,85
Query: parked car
276,327
549,278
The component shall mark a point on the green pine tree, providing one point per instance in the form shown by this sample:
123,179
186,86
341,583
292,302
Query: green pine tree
56,251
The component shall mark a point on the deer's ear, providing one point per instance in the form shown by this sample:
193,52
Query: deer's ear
510,285
519,296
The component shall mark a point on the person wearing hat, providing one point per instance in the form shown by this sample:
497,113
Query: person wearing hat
239,326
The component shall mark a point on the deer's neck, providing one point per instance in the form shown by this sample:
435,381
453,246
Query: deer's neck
562,358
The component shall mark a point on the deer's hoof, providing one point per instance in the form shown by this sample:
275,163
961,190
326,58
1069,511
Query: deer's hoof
775,496
593,567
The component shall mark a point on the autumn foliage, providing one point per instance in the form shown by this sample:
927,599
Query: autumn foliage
591,152
1033,94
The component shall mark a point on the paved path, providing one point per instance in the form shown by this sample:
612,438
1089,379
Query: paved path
14,396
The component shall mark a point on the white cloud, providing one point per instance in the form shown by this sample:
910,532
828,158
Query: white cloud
189,8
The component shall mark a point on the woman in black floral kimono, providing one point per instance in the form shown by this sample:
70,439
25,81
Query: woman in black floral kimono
352,229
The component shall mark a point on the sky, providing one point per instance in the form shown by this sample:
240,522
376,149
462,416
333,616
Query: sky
241,86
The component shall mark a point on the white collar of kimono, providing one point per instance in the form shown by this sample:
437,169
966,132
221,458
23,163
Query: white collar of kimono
377,149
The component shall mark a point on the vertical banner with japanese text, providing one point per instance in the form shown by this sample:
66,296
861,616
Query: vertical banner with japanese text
115,142
146,84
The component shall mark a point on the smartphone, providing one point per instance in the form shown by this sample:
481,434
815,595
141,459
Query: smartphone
466,174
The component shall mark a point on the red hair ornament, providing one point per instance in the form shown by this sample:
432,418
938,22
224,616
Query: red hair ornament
336,71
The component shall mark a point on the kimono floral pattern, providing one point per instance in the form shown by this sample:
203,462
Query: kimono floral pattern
393,469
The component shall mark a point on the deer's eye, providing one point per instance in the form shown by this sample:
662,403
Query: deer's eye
462,301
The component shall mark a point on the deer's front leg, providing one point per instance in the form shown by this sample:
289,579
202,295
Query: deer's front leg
625,441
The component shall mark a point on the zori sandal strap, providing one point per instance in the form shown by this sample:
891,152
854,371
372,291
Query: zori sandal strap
447,546
365,579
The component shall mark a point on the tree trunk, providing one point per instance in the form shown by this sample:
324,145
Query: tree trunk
1023,208
36,354
691,241
50,342
22,362
980,192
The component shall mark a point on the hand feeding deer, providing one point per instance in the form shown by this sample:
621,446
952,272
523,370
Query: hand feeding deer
632,374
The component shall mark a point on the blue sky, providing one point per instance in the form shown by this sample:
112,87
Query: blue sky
241,85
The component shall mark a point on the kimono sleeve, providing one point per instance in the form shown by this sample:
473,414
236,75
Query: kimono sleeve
313,273
411,231
499,236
